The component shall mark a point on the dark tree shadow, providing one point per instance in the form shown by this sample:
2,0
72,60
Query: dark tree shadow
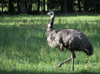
27,72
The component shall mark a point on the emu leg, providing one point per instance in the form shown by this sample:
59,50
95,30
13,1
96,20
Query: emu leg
59,65
73,56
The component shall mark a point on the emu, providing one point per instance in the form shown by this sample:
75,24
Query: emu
70,39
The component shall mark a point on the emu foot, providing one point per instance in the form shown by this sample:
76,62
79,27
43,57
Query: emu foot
59,65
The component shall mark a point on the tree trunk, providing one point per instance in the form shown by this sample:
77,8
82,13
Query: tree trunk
38,5
22,6
70,6
79,6
18,6
95,6
73,6
43,5
64,6
30,6
2,6
26,5
83,6
11,7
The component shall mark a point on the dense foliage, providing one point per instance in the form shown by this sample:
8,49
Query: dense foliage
40,6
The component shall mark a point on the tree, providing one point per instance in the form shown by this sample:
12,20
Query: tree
43,5
89,6
11,7
97,5
2,6
38,5
70,5
18,6
22,6
25,6
29,7
64,6
54,4
79,6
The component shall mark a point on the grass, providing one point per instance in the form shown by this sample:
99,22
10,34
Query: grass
24,50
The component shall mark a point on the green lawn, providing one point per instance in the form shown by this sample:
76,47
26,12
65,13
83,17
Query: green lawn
24,50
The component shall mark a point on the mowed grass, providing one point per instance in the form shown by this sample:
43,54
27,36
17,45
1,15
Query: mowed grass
24,49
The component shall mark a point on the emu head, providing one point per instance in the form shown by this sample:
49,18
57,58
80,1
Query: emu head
50,13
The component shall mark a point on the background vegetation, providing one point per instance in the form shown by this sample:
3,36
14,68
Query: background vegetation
24,50
41,6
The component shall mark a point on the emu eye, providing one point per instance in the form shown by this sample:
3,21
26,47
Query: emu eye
51,14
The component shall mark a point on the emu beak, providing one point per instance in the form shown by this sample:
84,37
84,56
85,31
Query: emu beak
48,14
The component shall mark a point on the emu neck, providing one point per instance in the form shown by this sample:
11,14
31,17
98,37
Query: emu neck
51,21
50,25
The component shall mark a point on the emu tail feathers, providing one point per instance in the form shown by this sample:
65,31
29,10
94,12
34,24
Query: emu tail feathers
89,51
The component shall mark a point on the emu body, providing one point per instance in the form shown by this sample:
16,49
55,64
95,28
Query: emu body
70,39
